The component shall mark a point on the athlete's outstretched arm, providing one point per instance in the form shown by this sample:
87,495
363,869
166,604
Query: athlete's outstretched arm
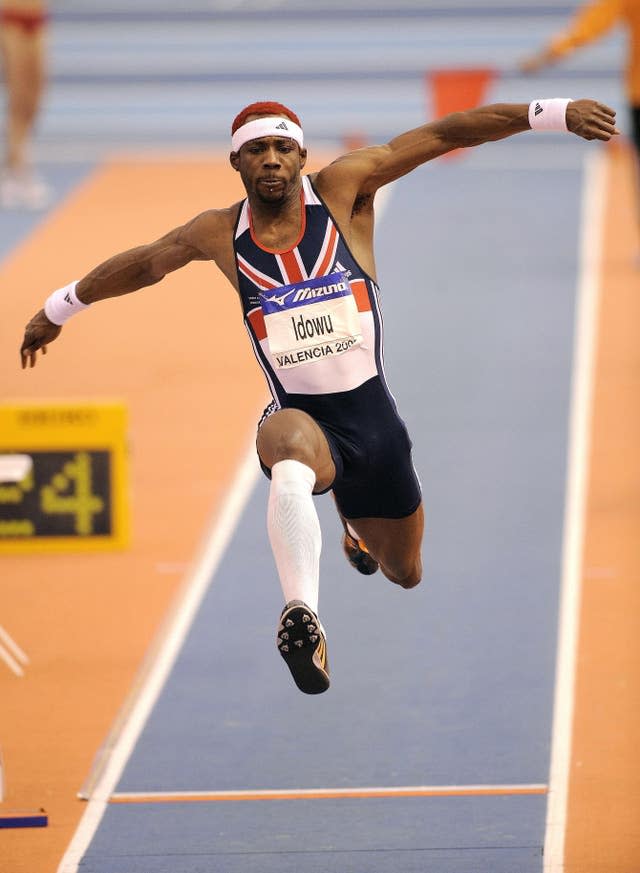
368,169
121,274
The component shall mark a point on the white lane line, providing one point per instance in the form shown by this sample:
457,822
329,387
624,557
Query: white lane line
326,793
10,661
166,652
12,654
12,646
584,353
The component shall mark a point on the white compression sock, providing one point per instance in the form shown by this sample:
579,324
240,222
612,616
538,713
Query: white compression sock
294,531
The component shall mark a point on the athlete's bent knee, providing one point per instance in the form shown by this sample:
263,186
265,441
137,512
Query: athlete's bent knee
293,444
293,435
285,437
405,579
410,581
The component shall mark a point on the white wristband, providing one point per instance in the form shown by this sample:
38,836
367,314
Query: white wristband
549,114
63,303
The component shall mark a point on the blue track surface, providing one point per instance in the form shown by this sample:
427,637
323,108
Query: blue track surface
346,836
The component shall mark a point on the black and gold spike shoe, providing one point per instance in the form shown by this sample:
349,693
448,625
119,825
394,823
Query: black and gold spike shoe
355,550
357,554
302,644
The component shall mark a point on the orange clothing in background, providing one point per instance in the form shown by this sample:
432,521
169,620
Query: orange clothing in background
595,19
26,15
28,22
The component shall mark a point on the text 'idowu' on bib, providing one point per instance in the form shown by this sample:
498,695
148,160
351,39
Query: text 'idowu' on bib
311,320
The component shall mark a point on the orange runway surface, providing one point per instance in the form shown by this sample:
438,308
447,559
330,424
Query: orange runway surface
178,356
603,833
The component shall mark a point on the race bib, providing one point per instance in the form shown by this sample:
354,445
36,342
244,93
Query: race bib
311,320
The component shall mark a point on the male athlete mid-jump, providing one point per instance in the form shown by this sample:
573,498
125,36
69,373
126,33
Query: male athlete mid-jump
299,252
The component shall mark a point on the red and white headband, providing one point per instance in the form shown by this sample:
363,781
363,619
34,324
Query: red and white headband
270,125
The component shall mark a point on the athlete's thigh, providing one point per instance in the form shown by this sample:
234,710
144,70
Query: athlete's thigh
396,543
291,434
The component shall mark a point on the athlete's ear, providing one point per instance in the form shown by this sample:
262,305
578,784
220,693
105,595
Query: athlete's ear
303,157
234,160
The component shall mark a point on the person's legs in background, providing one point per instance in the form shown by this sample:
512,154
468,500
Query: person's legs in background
22,45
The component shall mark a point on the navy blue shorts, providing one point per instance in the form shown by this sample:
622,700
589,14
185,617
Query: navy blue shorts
370,447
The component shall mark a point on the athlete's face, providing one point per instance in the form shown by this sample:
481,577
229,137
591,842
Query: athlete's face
270,167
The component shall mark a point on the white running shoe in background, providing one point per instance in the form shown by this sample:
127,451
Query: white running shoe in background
23,190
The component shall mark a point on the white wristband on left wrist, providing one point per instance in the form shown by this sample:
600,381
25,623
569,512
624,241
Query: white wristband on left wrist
63,303
549,114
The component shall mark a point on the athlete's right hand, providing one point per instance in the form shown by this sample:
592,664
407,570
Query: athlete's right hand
37,334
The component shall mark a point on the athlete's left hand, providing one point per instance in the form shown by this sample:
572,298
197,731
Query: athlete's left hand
591,120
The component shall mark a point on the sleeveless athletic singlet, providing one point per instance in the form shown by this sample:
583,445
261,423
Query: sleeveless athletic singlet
314,322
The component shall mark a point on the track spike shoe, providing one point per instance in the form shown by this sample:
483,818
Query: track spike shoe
302,644
357,554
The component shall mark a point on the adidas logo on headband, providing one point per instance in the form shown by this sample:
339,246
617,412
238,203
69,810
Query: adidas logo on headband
268,125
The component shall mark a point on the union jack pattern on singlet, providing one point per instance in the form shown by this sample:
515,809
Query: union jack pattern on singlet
341,365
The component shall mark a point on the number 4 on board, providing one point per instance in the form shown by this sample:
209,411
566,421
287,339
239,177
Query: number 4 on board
70,493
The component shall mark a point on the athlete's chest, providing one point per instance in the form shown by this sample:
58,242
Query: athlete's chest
278,235
314,254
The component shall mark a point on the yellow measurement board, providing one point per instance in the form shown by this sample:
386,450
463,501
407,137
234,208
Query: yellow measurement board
74,497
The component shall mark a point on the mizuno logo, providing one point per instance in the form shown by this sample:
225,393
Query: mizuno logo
67,299
322,291
280,298
282,126
538,109
289,296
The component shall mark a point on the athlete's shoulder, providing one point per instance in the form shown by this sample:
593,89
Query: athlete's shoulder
349,178
215,219
211,228
346,184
